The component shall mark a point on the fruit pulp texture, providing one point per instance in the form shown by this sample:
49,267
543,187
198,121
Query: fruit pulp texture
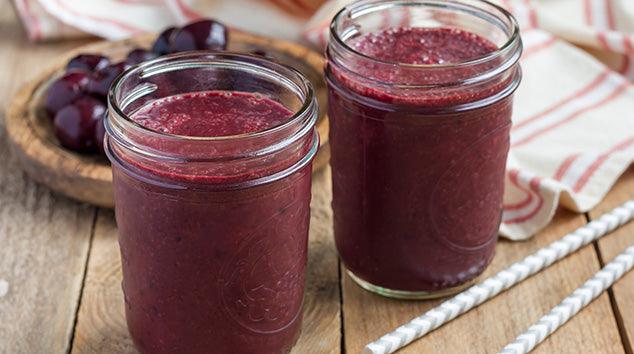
212,270
212,114
417,185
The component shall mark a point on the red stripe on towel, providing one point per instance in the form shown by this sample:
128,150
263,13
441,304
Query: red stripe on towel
534,49
563,168
617,91
187,11
534,188
527,199
585,177
584,90
121,25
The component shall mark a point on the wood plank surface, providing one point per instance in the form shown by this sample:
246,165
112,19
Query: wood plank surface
52,247
623,291
101,325
44,238
492,325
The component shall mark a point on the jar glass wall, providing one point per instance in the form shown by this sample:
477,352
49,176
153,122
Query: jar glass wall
212,230
418,148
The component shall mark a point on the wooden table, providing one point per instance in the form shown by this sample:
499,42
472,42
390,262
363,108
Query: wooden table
60,274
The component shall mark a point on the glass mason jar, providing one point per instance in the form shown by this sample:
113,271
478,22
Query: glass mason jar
212,230
418,152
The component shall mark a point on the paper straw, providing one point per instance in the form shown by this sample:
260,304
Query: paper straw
503,280
572,304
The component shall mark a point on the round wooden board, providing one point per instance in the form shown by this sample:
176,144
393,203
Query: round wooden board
88,178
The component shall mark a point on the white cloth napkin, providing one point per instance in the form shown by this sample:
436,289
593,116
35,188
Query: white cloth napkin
116,19
573,132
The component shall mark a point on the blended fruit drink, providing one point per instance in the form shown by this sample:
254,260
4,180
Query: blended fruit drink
420,98
211,157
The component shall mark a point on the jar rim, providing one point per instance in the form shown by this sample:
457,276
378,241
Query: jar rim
231,161
186,60
359,6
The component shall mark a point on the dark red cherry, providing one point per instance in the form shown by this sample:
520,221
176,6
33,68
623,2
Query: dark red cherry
65,90
139,55
163,43
75,124
88,62
100,132
100,81
201,35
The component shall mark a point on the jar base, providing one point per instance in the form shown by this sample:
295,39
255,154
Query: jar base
409,295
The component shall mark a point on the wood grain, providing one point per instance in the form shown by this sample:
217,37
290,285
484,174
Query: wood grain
492,325
88,178
44,238
101,325
321,329
613,244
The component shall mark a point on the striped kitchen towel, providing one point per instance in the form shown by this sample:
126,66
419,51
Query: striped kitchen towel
605,28
116,19
573,123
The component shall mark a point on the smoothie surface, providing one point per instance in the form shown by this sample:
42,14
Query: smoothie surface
437,50
423,46
212,114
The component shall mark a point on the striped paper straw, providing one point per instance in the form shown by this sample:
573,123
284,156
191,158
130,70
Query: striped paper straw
501,281
572,304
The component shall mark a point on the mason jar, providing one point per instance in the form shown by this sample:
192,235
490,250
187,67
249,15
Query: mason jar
418,148
212,230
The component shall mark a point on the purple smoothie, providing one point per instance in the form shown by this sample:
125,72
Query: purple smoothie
209,267
212,114
417,178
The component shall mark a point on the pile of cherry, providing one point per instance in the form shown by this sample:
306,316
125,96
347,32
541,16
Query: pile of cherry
76,102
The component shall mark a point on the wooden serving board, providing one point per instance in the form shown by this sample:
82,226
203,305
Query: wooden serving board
88,178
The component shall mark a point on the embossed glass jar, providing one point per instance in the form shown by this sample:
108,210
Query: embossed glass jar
212,230
418,151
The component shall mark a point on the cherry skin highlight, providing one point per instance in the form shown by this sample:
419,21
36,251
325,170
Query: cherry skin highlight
88,62
75,124
65,90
